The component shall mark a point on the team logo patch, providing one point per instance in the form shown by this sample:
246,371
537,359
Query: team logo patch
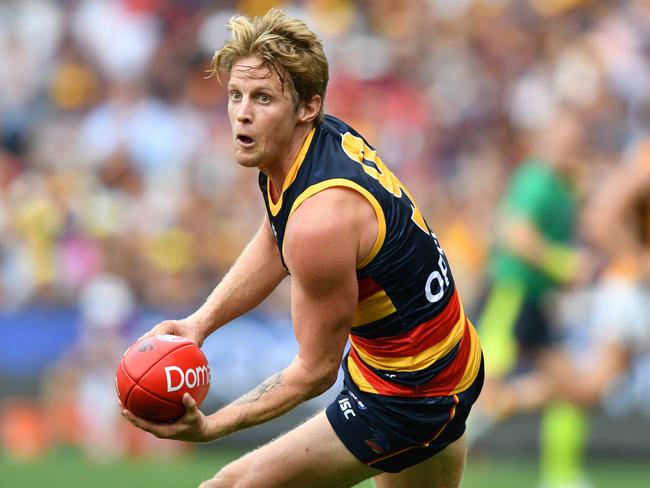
360,404
378,443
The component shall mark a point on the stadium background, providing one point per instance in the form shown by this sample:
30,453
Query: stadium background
120,204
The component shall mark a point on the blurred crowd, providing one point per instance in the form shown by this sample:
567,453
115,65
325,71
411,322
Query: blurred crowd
115,151
117,184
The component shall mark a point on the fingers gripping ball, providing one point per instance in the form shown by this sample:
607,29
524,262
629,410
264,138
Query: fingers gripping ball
155,373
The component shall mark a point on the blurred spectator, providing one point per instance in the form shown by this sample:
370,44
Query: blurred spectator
534,256
115,152
602,366
117,143
617,222
80,389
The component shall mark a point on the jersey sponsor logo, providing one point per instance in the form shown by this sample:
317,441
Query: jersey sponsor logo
191,377
438,280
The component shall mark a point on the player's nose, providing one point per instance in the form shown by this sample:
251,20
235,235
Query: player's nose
244,111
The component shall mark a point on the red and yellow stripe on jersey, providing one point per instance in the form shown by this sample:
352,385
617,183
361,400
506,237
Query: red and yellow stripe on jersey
443,352
410,336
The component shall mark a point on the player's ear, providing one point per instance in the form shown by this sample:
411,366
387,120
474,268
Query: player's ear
308,110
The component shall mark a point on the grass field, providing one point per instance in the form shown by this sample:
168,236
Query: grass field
68,469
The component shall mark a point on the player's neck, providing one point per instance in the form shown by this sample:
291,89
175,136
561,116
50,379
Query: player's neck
277,173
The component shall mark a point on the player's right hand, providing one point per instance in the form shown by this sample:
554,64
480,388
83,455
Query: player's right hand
188,328
191,427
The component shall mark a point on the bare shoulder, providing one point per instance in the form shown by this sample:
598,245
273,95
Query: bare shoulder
620,185
634,173
327,230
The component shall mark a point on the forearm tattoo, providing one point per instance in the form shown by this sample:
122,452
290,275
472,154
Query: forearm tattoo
254,395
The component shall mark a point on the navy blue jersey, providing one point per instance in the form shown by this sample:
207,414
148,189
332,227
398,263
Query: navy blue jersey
410,336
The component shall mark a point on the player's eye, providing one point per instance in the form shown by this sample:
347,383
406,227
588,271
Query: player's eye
235,95
264,98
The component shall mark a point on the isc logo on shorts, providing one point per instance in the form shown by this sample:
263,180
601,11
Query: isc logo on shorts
346,408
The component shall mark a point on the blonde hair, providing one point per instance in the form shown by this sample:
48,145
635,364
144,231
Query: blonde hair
284,44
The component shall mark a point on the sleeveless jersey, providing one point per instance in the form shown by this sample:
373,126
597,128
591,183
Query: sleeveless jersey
410,335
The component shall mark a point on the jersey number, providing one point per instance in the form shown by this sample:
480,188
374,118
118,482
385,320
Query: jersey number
359,151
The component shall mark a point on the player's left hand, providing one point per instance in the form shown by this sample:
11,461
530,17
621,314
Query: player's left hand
191,427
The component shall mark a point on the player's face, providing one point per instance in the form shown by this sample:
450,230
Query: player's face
262,114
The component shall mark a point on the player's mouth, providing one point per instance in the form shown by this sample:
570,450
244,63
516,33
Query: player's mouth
245,140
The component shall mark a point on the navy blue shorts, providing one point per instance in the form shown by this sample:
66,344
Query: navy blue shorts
393,433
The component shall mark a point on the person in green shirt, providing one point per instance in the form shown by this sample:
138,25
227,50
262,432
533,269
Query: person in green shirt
534,256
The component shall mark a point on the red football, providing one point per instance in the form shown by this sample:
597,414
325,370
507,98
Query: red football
156,371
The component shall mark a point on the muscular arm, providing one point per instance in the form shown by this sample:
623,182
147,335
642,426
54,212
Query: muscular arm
607,219
254,275
522,238
321,247
326,237
558,379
